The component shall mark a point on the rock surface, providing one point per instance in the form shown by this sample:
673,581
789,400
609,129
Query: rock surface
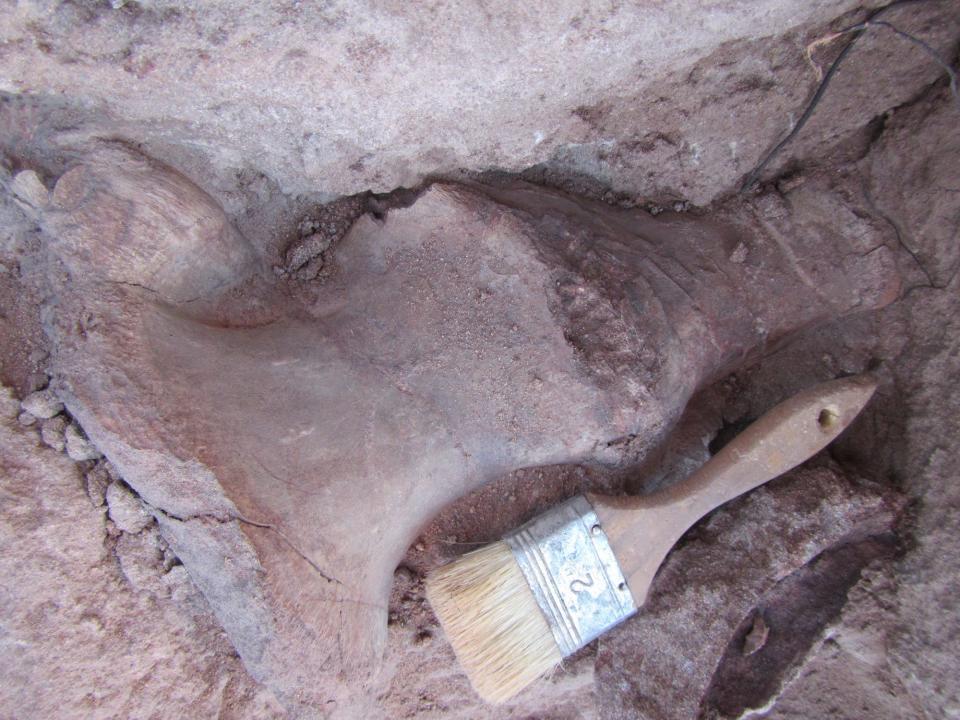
657,107
675,101
900,630
661,664
78,640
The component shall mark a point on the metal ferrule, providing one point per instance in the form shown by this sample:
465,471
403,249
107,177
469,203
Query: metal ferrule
568,562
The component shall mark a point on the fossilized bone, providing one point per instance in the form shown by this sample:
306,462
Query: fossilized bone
292,449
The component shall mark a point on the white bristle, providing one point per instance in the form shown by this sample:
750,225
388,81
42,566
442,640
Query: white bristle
492,619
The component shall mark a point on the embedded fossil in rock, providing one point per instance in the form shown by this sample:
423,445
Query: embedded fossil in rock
292,449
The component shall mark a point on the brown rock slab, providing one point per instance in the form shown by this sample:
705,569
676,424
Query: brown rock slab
914,175
891,652
671,102
661,663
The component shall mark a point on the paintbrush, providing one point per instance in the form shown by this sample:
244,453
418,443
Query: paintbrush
514,609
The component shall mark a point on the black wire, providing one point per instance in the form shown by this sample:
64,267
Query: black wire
856,30
951,73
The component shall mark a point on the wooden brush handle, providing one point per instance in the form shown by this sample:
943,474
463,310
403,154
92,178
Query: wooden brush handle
642,529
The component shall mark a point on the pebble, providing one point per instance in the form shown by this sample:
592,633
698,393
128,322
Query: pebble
757,637
126,510
140,561
26,419
97,482
51,432
42,404
78,447
169,558
403,576
30,192
739,254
